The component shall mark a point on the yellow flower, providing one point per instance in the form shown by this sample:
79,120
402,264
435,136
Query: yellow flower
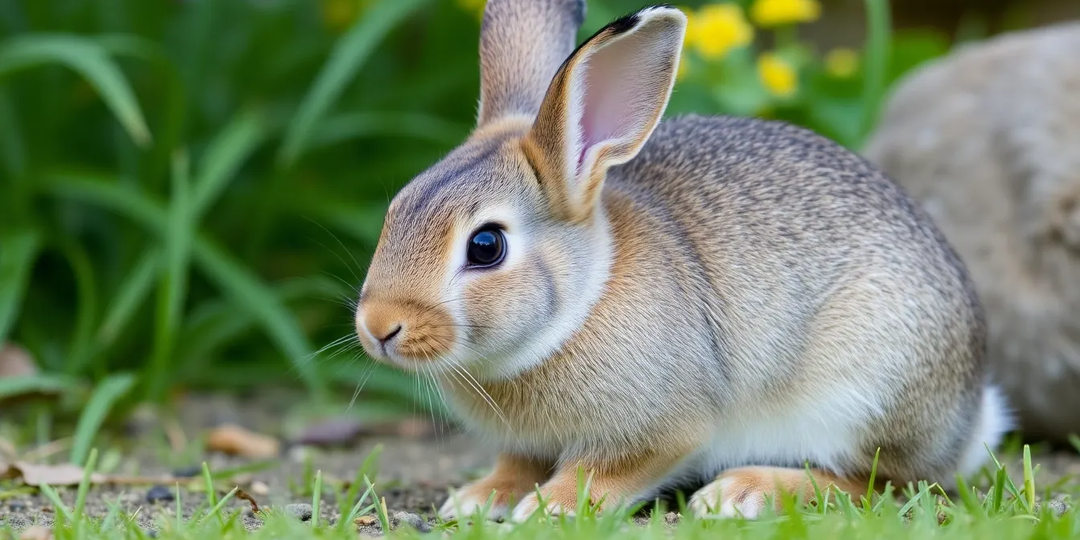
475,6
841,63
716,29
769,13
777,75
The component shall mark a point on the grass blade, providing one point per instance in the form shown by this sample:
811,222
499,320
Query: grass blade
216,510
999,490
136,287
345,127
316,499
20,250
173,286
86,306
228,274
97,408
878,44
211,495
57,502
1029,480
226,154
84,485
87,58
345,61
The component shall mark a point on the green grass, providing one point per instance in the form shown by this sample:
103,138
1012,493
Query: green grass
997,510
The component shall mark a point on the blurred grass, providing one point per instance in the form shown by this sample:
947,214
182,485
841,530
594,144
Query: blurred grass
191,188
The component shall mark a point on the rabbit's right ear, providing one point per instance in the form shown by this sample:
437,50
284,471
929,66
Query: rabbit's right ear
522,45
603,105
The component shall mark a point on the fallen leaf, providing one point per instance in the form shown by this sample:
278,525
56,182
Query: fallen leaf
235,440
16,362
240,494
66,474
36,532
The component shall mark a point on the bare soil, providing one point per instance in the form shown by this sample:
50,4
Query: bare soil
413,474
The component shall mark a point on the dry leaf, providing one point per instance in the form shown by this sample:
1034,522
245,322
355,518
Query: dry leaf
237,441
16,362
66,474
36,532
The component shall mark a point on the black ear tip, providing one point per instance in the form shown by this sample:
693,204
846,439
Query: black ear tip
624,24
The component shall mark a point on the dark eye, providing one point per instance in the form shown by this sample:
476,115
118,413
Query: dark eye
486,247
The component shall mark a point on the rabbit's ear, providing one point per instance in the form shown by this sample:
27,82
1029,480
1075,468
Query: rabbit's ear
522,45
602,106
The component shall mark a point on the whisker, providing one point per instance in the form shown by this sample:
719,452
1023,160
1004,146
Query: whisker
480,390
339,341
342,244
360,386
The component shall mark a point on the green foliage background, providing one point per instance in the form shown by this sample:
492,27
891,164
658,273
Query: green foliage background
191,188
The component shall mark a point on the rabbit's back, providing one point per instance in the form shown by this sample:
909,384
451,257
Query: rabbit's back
985,139
820,275
792,214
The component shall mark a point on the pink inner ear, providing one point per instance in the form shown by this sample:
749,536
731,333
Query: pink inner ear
601,106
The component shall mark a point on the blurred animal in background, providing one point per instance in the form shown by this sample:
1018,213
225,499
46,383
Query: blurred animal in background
987,139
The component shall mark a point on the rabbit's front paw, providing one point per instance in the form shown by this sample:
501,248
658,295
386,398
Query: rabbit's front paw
728,497
472,497
530,504
512,478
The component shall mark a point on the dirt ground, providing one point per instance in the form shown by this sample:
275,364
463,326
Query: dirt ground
414,473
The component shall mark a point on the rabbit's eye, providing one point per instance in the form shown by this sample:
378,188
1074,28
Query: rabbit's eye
486,247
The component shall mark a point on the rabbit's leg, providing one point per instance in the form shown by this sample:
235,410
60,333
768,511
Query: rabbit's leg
743,491
610,483
512,477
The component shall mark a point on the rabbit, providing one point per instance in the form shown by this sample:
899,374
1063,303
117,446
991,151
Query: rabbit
734,302
987,140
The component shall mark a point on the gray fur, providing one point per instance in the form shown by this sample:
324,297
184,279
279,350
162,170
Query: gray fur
987,140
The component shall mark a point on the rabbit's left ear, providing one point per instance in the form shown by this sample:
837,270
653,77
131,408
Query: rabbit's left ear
603,104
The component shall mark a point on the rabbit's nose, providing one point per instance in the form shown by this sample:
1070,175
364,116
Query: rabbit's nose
382,325
388,335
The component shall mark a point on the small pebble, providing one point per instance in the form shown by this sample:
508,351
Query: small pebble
160,494
259,488
1058,507
301,511
413,520
16,506
187,472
